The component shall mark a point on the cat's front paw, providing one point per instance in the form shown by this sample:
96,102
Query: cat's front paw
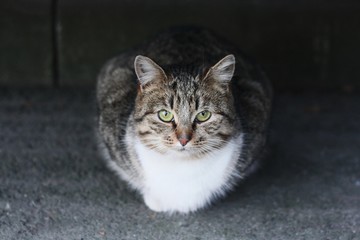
153,203
160,204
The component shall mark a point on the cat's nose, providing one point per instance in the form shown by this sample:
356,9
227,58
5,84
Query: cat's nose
184,138
183,141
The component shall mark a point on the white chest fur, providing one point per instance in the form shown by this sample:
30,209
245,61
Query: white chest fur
182,185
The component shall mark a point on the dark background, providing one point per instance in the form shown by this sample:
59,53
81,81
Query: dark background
301,44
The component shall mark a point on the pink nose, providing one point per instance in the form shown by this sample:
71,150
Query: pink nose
184,136
183,140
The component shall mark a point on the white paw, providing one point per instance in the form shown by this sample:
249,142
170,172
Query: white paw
158,204
153,203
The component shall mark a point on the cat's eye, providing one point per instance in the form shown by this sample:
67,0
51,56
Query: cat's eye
165,116
203,116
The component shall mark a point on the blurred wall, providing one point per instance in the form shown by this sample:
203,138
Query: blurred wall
301,44
25,43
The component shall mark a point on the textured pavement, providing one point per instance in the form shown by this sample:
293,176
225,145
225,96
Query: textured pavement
53,185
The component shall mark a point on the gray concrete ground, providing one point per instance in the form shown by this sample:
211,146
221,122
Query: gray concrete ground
54,186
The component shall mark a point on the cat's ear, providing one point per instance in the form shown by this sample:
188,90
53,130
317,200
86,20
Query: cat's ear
223,71
147,70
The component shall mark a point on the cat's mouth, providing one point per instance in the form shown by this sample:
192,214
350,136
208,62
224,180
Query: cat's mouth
182,149
185,151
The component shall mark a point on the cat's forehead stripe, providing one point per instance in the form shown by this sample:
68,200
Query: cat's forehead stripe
171,101
197,102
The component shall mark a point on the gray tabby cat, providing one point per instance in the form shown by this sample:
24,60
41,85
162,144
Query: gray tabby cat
183,125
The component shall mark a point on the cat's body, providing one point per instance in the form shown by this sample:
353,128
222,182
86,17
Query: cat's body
184,128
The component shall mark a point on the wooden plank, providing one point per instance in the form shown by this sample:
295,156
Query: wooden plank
25,43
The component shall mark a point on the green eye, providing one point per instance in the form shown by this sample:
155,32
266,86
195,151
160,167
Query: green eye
165,116
203,116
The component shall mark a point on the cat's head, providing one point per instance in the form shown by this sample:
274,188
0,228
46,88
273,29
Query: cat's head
184,112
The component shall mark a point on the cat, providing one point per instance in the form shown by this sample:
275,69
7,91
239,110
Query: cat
183,118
